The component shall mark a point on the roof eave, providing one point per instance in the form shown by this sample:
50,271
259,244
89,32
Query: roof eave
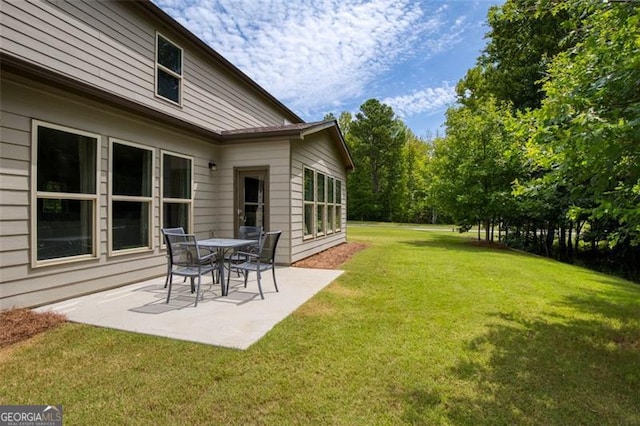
293,132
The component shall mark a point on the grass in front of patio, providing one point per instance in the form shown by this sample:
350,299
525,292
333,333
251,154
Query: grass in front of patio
425,327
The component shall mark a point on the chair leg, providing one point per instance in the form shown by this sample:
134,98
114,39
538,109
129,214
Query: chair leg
197,290
169,291
193,288
273,270
166,281
259,284
246,277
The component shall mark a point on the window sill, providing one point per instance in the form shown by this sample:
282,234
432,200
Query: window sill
125,252
169,101
63,261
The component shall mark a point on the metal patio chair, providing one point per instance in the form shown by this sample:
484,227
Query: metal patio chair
186,261
236,257
261,261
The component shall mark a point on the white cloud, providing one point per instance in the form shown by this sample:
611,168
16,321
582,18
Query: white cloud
316,53
423,101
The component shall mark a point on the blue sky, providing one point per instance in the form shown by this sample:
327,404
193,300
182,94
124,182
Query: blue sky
320,56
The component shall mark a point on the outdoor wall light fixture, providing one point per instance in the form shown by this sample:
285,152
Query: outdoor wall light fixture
212,166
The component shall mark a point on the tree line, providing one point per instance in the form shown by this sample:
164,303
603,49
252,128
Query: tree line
542,148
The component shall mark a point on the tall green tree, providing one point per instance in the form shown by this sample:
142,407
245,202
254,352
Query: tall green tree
377,138
475,165
417,206
524,36
588,133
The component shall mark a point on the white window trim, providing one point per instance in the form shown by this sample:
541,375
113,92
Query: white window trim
112,198
330,206
175,200
323,204
35,194
158,65
338,203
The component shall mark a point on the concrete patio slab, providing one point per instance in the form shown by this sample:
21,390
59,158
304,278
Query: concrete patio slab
235,321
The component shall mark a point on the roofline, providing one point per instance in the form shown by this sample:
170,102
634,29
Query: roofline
32,71
299,131
150,7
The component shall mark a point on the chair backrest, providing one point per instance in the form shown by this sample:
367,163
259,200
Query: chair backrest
250,233
166,231
268,247
183,249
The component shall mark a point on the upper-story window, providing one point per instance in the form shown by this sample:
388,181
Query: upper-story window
168,70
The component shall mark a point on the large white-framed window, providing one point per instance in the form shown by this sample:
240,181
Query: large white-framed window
64,194
169,66
130,197
322,204
309,191
176,191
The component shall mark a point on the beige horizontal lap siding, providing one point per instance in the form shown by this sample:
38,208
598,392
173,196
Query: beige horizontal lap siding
15,157
23,101
273,154
111,45
317,152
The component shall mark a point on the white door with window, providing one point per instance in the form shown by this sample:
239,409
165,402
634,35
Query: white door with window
251,198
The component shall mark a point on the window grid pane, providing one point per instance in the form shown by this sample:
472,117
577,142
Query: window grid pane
131,171
320,219
175,215
309,190
330,193
169,55
66,162
320,196
130,224
176,177
64,228
308,219
168,86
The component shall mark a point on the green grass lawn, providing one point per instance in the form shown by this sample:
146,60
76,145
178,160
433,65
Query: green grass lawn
424,328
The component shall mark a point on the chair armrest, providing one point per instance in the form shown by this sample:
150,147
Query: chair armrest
245,253
209,257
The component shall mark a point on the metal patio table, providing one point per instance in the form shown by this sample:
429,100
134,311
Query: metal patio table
221,245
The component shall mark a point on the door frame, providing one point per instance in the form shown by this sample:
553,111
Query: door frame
238,174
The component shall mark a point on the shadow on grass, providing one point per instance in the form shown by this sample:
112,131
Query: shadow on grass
580,368
459,243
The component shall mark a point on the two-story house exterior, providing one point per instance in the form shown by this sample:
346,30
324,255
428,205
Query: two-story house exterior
116,121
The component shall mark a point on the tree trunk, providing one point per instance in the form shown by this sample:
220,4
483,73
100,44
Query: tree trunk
562,243
577,239
570,252
551,232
